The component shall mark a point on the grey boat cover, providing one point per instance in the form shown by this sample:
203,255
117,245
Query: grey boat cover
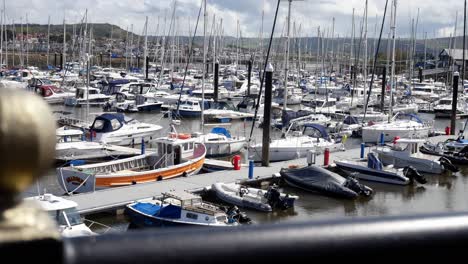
317,179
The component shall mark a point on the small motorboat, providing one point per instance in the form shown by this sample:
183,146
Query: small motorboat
296,144
372,169
64,213
258,199
316,179
180,208
220,143
121,130
71,147
405,152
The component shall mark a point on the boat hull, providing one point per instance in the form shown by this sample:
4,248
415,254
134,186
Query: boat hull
373,135
368,174
223,149
427,166
291,153
142,220
76,180
156,107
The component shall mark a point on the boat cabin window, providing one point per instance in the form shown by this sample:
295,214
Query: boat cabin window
115,124
103,126
192,216
73,217
99,124
445,102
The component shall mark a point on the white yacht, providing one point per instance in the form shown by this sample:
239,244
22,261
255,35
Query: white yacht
220,143
413,127
71,146
297,144
115,128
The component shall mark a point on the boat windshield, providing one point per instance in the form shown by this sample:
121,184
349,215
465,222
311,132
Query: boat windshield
72,214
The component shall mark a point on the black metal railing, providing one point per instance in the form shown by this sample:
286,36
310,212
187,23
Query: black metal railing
360,239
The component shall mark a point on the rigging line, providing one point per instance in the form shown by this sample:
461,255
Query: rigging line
264,71
375,59
190,56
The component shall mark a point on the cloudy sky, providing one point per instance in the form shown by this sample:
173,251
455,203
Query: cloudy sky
437,17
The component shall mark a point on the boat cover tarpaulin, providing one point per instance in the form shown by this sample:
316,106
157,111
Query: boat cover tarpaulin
171,211
147,208
316,179
222,131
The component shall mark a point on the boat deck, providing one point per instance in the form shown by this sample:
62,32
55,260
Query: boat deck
115,198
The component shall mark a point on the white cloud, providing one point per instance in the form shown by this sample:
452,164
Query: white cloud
435,15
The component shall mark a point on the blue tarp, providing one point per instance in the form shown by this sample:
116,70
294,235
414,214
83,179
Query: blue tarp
373,162
147,208
170,211
222,131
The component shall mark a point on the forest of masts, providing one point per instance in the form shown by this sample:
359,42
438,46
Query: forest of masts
321,51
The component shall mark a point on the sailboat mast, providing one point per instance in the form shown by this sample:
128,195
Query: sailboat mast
27,40
145,49
351,47
1,36
205,16
464,41
5,32
286,68
365,50
64,46
392,75
126,51
131,45
48,40
110,47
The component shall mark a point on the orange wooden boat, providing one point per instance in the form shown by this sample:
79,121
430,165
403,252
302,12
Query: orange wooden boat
176,155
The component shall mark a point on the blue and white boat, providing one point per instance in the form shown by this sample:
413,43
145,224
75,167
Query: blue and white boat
372,169
180,208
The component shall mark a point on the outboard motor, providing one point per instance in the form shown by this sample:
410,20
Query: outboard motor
411,173
447,164
235,215
276,201
357,187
